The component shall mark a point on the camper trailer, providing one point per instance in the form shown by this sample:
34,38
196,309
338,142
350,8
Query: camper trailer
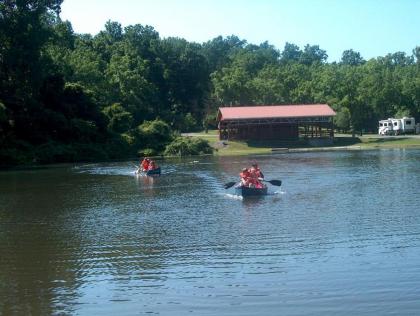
408,125
396,126
393,126
385,127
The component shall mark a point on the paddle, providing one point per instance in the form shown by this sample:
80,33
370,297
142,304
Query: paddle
137,168
229,185
273,182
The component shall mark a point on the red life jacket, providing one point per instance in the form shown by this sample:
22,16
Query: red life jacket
152,166
145,164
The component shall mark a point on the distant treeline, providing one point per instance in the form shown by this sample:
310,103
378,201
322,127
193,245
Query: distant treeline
72,97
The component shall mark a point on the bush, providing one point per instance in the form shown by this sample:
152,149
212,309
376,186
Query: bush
153,135
119,119
187,146
147,152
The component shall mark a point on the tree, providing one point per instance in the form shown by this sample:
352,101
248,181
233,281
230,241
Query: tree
25,27
291,53
154,135
231,86
127,75
416,54
313,54
87,67
120,120
186,75
268,86
103,43
342,119
219,51
352,58
92,90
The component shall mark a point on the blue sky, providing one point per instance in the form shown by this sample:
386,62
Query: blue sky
371,27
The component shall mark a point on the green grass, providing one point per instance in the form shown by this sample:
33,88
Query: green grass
230,148
240,148
390,142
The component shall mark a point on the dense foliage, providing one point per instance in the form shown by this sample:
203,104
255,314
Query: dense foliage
187,146
71,97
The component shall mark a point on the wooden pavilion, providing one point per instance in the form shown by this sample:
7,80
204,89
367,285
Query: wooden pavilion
276,122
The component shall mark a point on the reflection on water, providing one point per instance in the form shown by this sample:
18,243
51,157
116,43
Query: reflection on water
340,237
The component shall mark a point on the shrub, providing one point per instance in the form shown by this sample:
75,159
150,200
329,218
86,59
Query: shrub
119,119
154,135
187,146
147,152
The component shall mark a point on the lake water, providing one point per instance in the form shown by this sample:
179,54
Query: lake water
340,237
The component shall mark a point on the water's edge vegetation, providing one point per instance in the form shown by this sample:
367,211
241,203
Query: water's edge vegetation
341,142
124,92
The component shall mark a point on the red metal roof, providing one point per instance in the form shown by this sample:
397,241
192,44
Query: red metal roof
274,111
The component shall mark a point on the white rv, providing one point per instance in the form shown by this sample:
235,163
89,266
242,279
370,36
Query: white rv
393,126
396,126
408,125
385,127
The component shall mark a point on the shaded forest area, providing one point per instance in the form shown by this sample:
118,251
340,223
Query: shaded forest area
68,97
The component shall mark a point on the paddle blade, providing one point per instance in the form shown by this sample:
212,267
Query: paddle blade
229,185
275,182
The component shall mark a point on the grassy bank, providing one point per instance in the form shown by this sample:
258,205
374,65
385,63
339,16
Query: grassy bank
341,142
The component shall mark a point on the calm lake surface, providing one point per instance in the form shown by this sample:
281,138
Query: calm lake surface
340,237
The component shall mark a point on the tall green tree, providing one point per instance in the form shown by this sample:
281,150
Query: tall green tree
313,54
352,58
220,50
291,53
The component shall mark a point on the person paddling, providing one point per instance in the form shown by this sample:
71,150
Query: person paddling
256,171
152,165
144,165
245,177
256,176
252,178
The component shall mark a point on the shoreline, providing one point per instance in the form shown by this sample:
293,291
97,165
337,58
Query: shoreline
341,143
235,148
277,151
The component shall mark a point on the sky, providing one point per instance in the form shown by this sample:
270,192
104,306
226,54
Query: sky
371,27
